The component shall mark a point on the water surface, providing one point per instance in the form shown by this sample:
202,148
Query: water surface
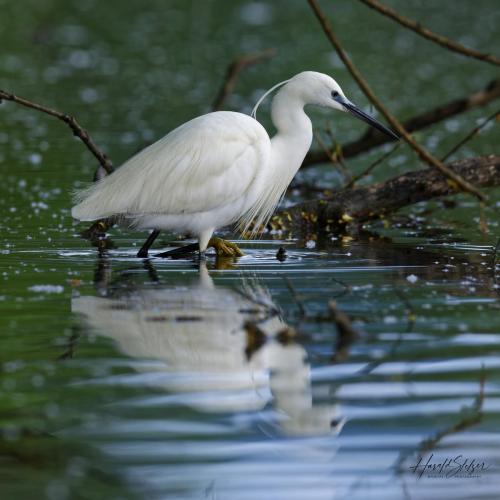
123,378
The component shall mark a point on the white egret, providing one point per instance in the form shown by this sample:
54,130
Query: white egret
218,169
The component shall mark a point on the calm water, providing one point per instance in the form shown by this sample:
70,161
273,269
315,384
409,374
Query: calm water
122,378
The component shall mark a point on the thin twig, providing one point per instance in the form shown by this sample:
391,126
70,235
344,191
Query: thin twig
233,71
332,156
339,154
378,161
430,35
422,153
346,288
471,134
77,129
335,158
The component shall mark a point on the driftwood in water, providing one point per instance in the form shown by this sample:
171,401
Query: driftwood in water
379,200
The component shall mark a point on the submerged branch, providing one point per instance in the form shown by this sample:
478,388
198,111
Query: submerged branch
430,35
395,123
373,138
379,200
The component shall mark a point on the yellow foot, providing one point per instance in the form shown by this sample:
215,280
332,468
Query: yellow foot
224,263
224,248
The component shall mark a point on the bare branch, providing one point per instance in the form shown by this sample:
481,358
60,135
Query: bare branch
370,167
233,71
430,35
471,134
335,157
77,129
422,153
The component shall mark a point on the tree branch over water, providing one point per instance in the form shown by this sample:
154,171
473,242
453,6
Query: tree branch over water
96,231
77,129
430,35
395,123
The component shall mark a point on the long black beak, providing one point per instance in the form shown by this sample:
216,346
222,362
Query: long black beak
358,113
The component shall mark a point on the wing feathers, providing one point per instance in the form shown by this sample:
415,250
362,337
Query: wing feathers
205,163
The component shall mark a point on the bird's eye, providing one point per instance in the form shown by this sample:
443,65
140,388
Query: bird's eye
335,94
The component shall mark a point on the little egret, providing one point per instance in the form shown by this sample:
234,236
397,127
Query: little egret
218,169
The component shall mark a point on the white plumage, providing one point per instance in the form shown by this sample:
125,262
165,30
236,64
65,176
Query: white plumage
218,169
170,180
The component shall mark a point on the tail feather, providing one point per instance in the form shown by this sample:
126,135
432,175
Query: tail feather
96,201
87,206
112,195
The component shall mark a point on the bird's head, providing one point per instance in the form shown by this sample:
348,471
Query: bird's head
322,90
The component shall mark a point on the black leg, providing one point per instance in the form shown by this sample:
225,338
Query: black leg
179,252
153,275
143,252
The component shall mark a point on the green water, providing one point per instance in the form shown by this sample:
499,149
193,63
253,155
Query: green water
128,379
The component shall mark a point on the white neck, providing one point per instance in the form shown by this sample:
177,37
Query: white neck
294,133
288,148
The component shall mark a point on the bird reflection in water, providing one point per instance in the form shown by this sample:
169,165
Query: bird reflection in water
228,348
